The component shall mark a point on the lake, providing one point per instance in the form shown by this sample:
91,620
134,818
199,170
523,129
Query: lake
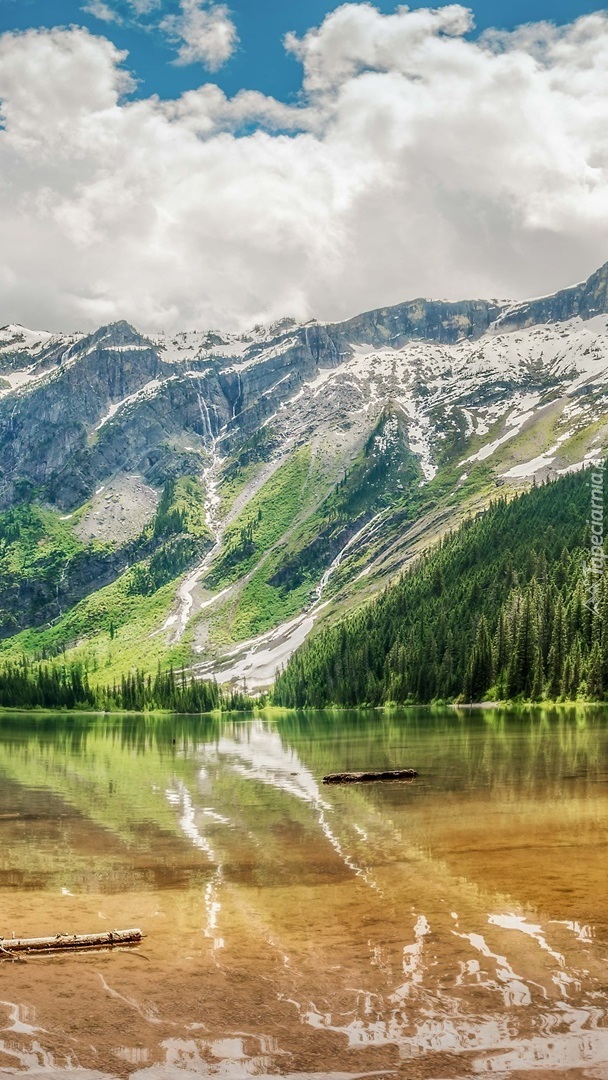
451,926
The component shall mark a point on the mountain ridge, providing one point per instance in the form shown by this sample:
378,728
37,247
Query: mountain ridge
95,429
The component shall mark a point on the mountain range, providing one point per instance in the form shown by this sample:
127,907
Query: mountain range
209,500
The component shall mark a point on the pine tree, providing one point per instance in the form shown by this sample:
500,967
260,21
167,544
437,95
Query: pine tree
557,651
595,674
479,670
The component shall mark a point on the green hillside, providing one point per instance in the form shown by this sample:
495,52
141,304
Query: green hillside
499,609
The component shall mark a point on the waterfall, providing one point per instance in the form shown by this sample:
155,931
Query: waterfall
205,416
239,396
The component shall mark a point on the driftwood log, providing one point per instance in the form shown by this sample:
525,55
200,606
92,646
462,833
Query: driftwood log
366,777
10,946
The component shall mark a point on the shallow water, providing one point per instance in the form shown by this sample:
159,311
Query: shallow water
453,926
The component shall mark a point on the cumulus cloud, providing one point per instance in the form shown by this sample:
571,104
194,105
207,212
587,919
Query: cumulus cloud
417,161
206,33
355,37
202,30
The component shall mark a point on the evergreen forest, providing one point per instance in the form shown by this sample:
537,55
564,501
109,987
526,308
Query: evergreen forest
502,609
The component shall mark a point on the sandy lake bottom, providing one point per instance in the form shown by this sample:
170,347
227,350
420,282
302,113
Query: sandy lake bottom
454,926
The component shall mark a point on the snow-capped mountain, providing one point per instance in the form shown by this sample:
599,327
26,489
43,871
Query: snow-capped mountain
407,418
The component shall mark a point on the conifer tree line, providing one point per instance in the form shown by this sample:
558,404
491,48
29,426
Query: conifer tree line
52,686
499,610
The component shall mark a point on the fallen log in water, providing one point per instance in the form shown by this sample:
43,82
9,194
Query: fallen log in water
365,777
10,946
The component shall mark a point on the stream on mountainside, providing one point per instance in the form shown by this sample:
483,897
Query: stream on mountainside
452,926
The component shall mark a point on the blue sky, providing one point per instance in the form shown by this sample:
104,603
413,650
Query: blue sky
260,61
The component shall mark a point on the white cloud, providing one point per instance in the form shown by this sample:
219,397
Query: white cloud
205,31
202,30
100,10
417,162
355,37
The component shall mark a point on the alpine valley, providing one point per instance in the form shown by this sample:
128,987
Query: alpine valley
210,501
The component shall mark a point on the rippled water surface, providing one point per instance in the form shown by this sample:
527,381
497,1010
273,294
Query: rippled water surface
453,926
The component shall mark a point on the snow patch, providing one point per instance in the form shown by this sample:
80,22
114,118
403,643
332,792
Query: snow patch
15,338
147,391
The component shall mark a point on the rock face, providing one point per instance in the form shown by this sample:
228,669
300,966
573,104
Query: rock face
47,425
86,408
463,382
586,300
421,320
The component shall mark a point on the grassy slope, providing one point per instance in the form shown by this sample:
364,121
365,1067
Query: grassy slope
248,555
36,545
263,521
242,467
276,550
307,534
112,630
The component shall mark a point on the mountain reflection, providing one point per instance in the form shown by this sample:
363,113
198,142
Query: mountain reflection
458,920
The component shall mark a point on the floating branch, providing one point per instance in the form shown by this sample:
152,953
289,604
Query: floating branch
365,777
10,946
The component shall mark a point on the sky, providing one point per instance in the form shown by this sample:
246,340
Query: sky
193,164
259,60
